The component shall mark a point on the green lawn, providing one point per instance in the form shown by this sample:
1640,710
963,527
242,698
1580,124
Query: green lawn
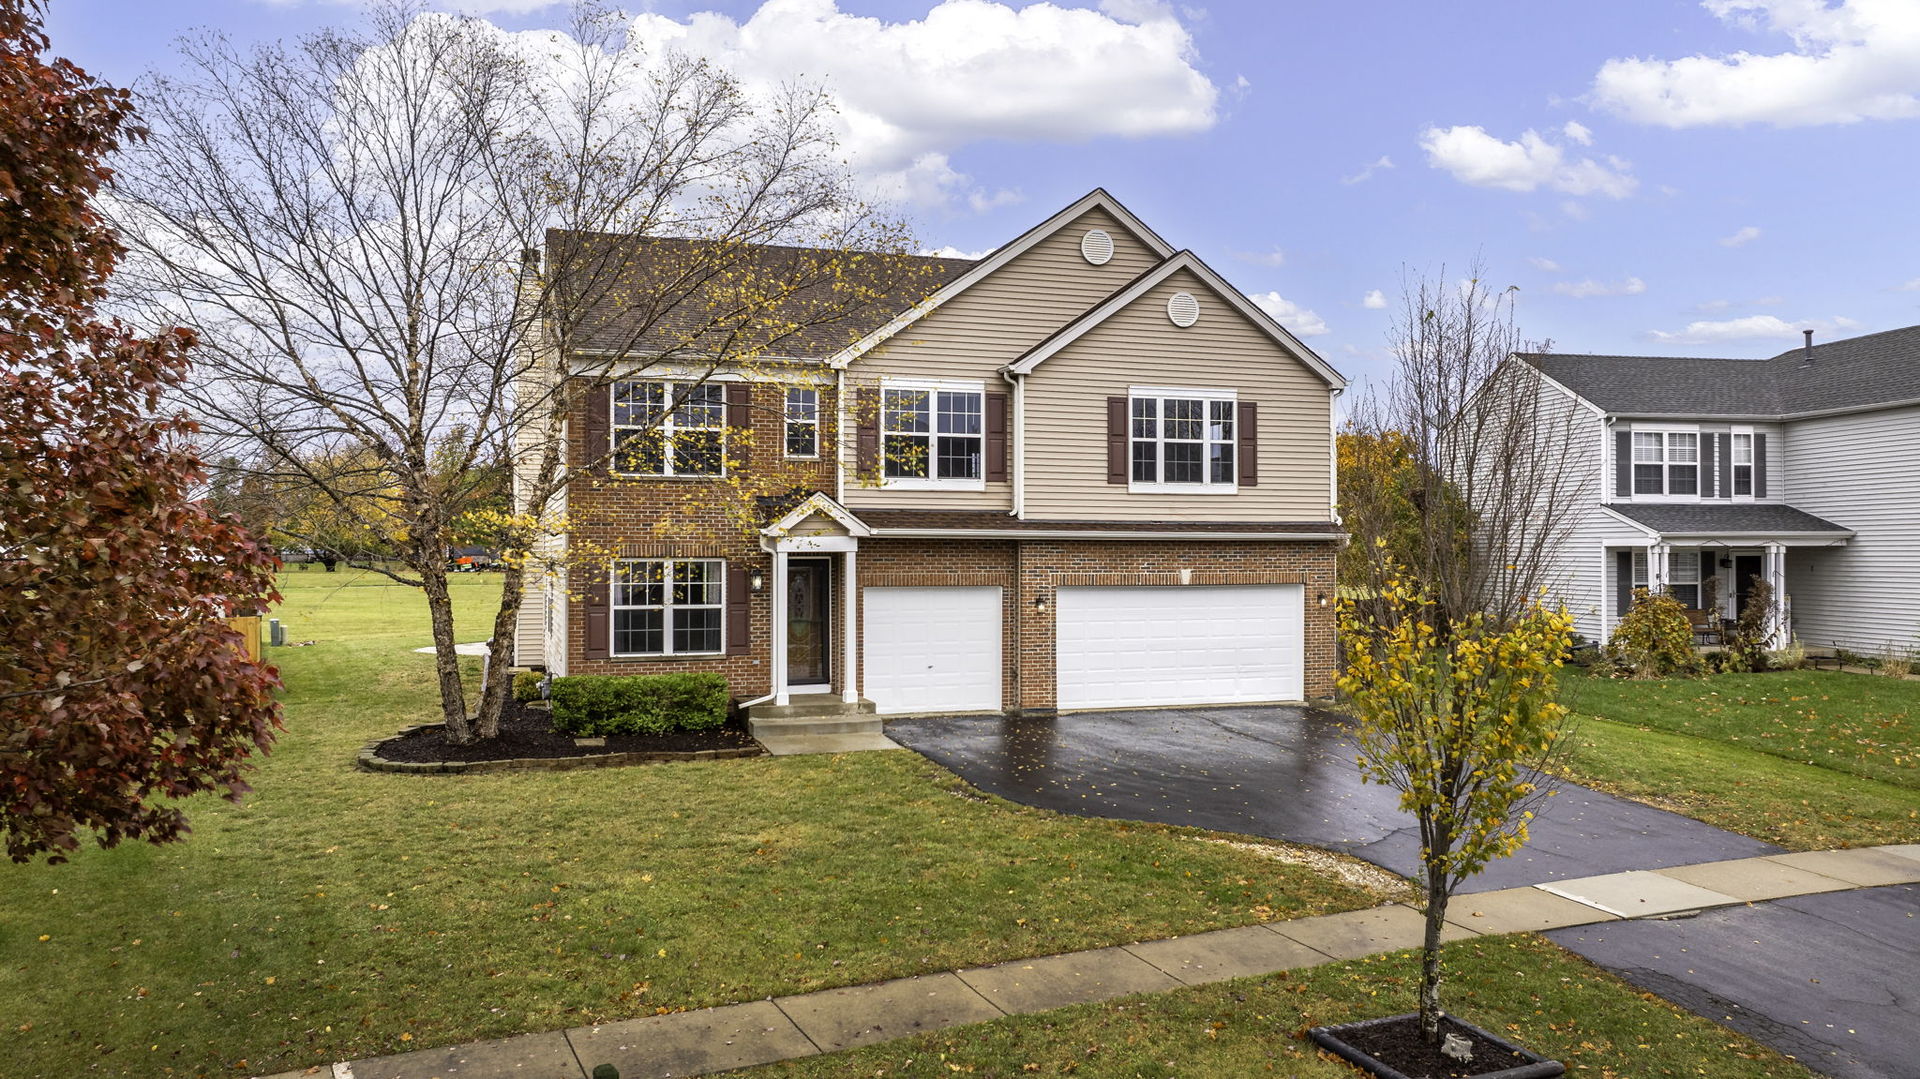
338,914
1522,987
1805,759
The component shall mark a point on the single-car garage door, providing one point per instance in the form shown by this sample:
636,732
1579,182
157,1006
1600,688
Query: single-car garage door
932,649
1194,644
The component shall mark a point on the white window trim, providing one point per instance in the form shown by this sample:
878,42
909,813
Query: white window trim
666,429
666,607
1205,486
787,424
1752,463
931,386
1666,463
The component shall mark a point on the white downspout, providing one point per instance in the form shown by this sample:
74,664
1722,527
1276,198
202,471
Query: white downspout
1019,444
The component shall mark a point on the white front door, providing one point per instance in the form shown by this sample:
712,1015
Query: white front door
932,649
1197,644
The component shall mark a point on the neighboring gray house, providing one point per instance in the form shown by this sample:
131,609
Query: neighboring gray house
1802,469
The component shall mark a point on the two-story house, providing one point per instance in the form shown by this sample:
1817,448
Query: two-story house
1705,474
1085,472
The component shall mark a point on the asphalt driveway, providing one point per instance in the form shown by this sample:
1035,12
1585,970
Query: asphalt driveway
1284,773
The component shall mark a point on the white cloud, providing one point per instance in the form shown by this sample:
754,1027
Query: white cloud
1300,320
951,252
1910,286
1750,328
1545,265
1474,157
1746,235
1859,60
1270,257
1365,174
1578,132
1713,306
1581,290
1374,300
910,94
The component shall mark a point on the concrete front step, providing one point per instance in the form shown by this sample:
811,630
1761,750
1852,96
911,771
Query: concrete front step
810,706
799,726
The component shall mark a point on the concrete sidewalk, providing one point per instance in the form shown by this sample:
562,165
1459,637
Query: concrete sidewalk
765,1031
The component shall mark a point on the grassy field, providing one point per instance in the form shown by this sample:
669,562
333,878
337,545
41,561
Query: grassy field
1805,759
338,914
1521,987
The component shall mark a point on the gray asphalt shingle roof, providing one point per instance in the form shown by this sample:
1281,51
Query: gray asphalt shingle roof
1877,368
1755,517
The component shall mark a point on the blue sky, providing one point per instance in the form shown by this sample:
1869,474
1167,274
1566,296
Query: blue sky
1701,178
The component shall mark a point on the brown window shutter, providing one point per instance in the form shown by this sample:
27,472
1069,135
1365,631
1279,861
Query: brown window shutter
596,427
596,598
1116,440
866,429
1249,449
996,438
739,611
739,405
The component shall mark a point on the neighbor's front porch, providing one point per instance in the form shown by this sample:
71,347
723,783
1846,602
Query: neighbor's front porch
1714,579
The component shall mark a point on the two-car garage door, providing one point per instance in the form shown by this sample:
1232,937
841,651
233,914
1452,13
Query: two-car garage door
1197,644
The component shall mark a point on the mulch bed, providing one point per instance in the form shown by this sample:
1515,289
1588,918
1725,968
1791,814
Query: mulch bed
527,733
1400,1045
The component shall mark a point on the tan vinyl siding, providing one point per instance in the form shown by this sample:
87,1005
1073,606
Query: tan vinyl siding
531,646
989,326
1066,406
1860,472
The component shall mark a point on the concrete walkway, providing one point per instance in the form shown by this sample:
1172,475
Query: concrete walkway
765,1031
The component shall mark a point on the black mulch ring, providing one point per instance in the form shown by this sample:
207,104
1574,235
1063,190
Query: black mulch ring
528,732
1401,1045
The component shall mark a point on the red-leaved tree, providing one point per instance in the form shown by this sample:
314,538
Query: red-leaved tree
121,685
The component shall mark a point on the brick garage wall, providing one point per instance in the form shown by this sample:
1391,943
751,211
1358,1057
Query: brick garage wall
692,518
1028,570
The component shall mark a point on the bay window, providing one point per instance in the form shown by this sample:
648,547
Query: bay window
669,428
668,607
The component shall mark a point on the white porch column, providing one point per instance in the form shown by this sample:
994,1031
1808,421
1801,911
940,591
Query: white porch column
1657,576
1776,578
779,624
850,643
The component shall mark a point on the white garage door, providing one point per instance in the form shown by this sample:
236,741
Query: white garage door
1197,644
932,649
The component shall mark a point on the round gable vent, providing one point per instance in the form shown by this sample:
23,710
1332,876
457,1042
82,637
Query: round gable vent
1096,247
1182,309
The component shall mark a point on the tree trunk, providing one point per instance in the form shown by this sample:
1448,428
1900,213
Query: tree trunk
453,696
1430,1013
493,693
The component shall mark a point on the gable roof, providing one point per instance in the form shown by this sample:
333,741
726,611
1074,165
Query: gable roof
817,503
658,294
1141,285
976,272
1859,372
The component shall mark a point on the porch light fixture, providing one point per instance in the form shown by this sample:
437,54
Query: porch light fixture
756,581
1039,603
1323,599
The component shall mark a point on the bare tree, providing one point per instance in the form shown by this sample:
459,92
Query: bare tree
411,247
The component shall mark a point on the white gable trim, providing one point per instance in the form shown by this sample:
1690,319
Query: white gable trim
1095,199
1184,260
819,503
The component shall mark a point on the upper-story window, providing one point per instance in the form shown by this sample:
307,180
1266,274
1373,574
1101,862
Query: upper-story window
1742,463
669,428
1666,463
803,422
932,435
1183,440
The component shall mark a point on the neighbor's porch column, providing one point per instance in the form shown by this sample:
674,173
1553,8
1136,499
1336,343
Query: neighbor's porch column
850,664
1775,573
778,661
1657,576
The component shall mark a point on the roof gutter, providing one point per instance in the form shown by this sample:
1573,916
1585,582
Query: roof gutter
1099,534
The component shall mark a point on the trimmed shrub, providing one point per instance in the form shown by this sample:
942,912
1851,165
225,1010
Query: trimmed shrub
595,705
1654,638
526,686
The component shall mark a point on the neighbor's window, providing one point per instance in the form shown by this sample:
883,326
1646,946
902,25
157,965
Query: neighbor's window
668,607
1742,464
669,428
1666,462
931,434
803,422
1182,440
1683,577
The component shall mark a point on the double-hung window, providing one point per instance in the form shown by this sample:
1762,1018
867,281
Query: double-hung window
1743,464
932,435
803,422
1666,462
1182,440
1683,577
668,607
669,428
